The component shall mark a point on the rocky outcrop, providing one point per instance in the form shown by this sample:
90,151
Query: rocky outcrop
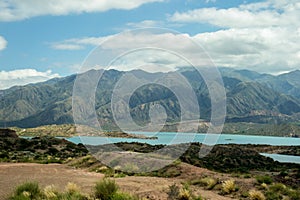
5,132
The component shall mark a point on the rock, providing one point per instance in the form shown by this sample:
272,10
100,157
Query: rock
8,133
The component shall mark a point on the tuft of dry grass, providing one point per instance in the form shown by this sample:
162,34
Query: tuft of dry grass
185,194
72,188
50,192
228,186
256,195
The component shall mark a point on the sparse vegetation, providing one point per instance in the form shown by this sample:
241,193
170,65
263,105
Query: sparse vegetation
264,179
29,190
105,190
207,182
228,186
181,193
256,195
173,192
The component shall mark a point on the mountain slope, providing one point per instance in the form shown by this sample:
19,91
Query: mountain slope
249,97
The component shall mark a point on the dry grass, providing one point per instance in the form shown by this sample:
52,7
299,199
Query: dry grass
256,195
228,186
50,192
72,188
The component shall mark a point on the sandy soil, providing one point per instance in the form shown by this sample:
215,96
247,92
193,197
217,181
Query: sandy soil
12,174
52,174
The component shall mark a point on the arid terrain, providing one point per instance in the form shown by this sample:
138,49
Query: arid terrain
12,174
228,172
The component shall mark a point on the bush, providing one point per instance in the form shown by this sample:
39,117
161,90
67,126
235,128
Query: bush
273,196
228,186
278,188
29,190
294,194
185,194
264,179
105,189
50,192
173,192
72,188
123,196
256,195
209,183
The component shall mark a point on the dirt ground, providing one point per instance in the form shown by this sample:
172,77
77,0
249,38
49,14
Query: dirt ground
12,174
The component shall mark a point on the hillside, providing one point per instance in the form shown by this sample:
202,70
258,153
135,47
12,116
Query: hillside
251,97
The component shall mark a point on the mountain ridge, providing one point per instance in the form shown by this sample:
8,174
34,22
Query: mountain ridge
250,96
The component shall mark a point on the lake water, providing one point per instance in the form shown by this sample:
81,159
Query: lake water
176,138
283,158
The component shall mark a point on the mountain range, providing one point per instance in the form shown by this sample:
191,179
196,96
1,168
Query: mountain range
251,97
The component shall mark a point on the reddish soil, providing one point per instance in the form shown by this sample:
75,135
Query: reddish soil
12,174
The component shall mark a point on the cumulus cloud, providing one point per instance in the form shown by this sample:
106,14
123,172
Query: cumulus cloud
261,49
263,36
23,77
12,10
269,13
143,49
3,43
78,43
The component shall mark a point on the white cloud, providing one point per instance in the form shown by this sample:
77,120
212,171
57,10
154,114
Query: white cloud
23,77
66,46
143,49
78,43
146,24
263,36
269,13
261,49
3,43
12,10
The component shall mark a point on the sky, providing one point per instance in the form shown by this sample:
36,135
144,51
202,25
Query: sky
40,40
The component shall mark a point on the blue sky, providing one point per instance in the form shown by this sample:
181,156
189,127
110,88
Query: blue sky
42,40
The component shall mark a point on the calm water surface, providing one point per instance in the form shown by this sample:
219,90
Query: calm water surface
283,158
176,138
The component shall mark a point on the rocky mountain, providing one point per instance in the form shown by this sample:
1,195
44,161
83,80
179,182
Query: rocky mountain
251,97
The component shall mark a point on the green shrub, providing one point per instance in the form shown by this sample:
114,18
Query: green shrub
19,197
105,189
173,192
278,188
294,194
247,176
67,196
264,179
30,190
273,196
209,183
123,196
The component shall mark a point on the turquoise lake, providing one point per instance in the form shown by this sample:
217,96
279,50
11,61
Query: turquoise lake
283,158
176,138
